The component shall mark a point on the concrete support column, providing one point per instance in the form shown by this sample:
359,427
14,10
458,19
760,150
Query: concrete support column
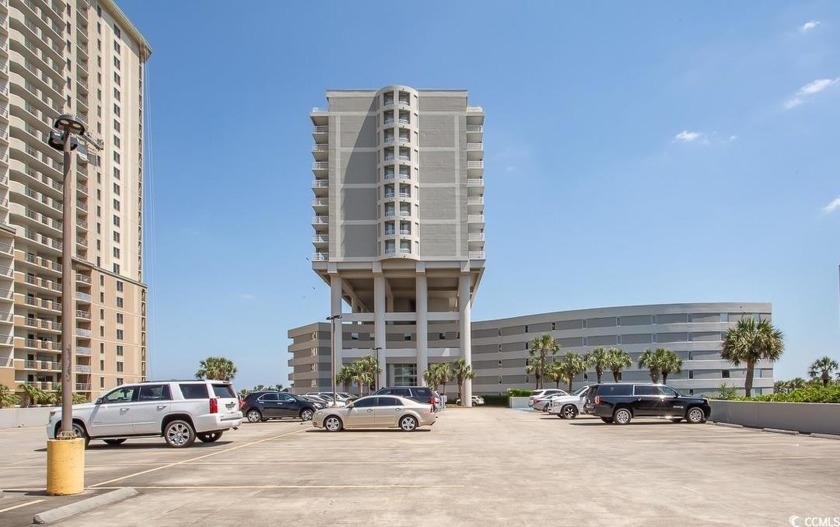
422,315
466,333
335,309
379,308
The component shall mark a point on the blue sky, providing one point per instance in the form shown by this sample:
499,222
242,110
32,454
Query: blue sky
635,153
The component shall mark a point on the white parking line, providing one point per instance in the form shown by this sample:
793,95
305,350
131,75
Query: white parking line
21,505
193,459
258,487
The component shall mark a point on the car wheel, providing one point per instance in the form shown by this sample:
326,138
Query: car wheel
114,442
333,424
179,434
695,416
408,424
607,420
209,437
254,416
306,414
569,411
78,429
622,416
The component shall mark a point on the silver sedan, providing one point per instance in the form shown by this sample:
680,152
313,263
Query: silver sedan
377,411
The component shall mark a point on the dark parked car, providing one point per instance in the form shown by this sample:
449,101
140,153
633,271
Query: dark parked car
421,394
261,406
619,403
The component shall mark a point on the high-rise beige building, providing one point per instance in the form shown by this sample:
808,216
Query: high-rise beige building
399,227
85,58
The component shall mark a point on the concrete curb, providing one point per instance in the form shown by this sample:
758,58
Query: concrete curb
780,431
66,511
729,425
822,436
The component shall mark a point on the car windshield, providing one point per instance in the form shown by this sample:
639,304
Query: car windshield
579,391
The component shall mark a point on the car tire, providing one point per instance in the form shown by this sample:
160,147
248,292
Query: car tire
254,416
695,415
333,424
622,416
179,433
79,430
114,442
209,437
607,420
408,423
569,411
306,414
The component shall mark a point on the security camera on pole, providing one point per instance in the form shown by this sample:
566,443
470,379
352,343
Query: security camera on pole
66,453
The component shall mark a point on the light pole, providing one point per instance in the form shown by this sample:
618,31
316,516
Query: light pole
376,350
65,456
332,320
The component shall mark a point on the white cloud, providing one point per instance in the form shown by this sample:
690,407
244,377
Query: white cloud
831,207
247,296
808,90
809,25
688,137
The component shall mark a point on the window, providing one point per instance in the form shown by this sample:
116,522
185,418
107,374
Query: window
116,63
101,365
116,189
101,382
121,395
116,109
117,32
667,391
120,334
120,351
644,389
116,204
116,125
116,46
119,367
120,380
154,392
116,220
116,78
724,317
119,285
116,252
116,173
690,374
194,391
116,157
117,268
119,301
117,94
407,336
116,141
724,374
116,236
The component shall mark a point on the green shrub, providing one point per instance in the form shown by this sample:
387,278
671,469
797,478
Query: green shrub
809,394
496,400
518,392
8,398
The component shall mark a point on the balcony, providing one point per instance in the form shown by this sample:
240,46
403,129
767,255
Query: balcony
475,218
320,257
476,237
83,351
320,220
83,297
82,387
84,333
320,166
320,240
476,255
82,368
82,278
85,315
319,152
320,133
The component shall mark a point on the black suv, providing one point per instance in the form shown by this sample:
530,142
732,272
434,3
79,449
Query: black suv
421,394
619,403
261,406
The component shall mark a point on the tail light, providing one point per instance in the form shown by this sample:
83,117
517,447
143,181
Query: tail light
597,399
214,406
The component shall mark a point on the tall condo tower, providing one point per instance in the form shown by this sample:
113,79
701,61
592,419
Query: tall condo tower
81,57
398,228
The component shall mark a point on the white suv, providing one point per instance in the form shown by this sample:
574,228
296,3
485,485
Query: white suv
180,411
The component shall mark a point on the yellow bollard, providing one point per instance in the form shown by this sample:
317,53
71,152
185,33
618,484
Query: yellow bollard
65,466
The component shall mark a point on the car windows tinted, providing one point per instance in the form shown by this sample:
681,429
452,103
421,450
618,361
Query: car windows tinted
224,391
365,403
388,401
194,391
643,389
268,397
285,398
155,392
667,390
615,389
423,393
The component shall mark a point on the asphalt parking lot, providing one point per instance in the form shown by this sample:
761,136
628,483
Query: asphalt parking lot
481,466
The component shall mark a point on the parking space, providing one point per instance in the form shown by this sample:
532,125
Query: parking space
480,466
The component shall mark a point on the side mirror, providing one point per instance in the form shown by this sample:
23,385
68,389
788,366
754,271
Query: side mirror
98,400
349,406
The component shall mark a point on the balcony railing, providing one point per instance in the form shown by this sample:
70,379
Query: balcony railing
477,255
320,183
319,257
475,164
82,387
475,128
320,165
320,220
83,350
320,129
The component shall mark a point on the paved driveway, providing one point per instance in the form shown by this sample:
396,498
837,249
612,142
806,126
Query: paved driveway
481,466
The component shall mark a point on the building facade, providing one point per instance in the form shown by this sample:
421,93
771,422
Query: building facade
84,58
398,225
500,351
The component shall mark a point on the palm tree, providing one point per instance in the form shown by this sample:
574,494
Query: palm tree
540,348
749,342
796,383
345,377
571,365
823,369
669,362
649,360
617,360
366,369
430,376
554,371
8,398
443,370
599,359
531,366
216,368
463,371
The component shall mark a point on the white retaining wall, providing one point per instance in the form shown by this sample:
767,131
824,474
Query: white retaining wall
807,418
18,417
